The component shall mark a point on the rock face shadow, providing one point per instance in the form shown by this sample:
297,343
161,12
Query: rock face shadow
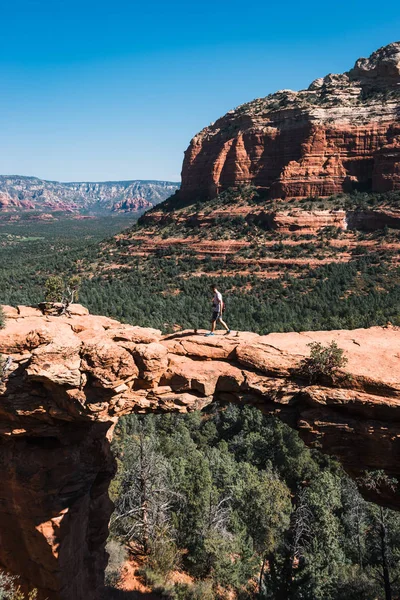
56,523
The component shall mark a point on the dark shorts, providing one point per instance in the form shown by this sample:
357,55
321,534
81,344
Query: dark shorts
215,316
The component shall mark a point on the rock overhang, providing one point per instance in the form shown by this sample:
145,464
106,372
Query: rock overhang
102,369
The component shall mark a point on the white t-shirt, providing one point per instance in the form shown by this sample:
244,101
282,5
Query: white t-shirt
217,301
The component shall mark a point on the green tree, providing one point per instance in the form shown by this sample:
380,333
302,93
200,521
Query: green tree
247,491
383,548
263,504
62,291
309,561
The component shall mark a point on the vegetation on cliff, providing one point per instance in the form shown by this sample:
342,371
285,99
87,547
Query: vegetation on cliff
324,361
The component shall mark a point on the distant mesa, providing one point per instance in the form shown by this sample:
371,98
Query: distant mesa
340,135
18,193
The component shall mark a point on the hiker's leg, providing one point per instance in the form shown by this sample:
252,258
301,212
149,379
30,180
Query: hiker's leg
224,325
214,320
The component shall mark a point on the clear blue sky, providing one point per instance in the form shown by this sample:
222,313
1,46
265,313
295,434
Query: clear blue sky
115,90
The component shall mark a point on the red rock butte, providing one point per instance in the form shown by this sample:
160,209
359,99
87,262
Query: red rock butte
67,380
339,135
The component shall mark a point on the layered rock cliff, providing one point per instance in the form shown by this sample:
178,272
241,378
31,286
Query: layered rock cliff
341,134
65,381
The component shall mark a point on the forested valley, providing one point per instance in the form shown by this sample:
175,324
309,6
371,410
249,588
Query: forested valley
237,501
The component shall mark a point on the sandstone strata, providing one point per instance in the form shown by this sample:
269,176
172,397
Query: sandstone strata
266,241
283,221
341,134
70,380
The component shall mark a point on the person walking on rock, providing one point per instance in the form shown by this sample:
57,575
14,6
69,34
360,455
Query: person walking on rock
218,308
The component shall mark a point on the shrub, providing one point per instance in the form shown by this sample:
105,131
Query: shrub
59,290
117,556
198,590
202,590
164,556
1,317
10,590
324,361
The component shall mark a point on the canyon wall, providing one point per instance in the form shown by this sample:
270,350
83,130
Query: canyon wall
65,381
339,135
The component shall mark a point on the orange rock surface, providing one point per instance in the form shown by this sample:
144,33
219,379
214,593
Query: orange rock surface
71,378
340,134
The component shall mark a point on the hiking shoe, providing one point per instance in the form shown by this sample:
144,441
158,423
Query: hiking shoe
228,332
208,334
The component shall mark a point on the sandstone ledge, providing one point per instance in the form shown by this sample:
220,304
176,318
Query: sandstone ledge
93,368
